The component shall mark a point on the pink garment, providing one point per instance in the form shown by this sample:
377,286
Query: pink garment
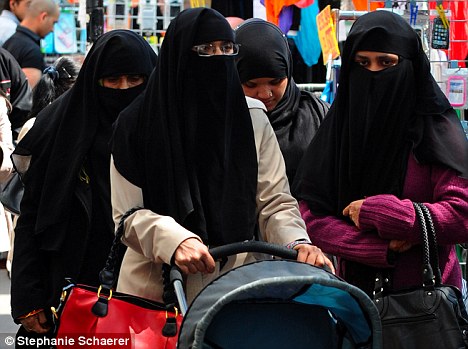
386,217
304,3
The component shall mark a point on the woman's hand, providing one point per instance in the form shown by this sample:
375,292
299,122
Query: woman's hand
311,254
36,323
192,256
352,211
399,246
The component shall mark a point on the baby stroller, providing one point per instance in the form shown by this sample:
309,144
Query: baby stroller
278,303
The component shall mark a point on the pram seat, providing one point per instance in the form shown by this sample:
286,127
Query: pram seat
269,324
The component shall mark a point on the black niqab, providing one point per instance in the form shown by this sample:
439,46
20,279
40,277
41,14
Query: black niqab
377,120
190,146
264,52
74,131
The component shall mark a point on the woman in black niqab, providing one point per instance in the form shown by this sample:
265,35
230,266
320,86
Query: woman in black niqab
65,228
190,146
391,137
378,119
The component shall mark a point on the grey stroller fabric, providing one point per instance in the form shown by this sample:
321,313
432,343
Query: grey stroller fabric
280,304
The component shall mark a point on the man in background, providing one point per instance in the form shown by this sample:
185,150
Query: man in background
25,44
13,12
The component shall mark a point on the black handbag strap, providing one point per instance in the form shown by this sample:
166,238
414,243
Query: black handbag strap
433,247
425,220
108,275
430,255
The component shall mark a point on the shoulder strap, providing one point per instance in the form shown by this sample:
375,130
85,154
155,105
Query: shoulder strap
109,273
433,247
428,275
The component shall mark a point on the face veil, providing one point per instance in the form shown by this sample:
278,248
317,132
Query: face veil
195,158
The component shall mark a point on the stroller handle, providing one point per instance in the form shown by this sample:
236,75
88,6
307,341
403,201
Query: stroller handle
228,250
253,246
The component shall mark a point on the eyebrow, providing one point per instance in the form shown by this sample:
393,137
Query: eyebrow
384,55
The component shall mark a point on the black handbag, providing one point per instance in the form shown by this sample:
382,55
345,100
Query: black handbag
430,316
11,194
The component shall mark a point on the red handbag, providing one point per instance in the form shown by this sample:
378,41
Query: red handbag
91,317
131,322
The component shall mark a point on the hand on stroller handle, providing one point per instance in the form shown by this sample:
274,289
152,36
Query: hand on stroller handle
253,246
231,249
241,247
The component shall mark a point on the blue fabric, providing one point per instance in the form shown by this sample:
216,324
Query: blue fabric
327,94
342,305
285,18
307,39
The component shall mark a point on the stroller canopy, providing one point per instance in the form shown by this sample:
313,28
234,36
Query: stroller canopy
280,304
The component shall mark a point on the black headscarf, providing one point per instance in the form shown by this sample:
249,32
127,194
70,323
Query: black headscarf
378,119
76,128
264,52
191,146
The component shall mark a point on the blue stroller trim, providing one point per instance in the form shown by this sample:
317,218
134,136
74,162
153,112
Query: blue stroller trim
341,304
286,282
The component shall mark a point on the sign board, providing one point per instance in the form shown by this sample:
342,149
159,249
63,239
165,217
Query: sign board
327,35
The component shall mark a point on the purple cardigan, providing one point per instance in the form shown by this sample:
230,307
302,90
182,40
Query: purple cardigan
386,217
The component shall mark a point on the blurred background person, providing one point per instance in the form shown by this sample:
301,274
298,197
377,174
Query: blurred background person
16,92
12,14
14,84
25,43
56,79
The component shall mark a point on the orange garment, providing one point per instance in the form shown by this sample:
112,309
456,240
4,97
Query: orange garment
361,5
274,7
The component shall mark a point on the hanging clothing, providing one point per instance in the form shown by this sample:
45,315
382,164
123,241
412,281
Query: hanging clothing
307,39
274,8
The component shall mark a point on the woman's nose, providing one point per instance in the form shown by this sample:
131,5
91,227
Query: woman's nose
123,83
264,93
